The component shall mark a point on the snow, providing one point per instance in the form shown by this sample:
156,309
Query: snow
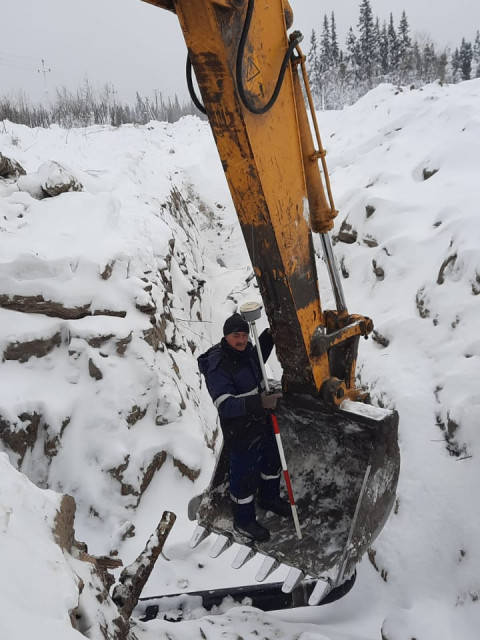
36,578
421,578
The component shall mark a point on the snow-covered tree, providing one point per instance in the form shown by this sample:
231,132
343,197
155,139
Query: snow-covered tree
366,27
328,64
353,53
384,51
417,61
476,55
380,52
313,68
334,48
377,66
466,57
455,65
405,50
441,66
325,46
394,51
430,66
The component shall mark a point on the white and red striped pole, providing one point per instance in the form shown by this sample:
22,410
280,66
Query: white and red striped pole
286,475
251,311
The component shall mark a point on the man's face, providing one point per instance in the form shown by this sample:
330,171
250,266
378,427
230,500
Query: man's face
237,340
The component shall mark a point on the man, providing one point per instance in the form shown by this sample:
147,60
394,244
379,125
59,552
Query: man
234,380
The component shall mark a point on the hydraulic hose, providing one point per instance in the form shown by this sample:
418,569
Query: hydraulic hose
191,88
295,39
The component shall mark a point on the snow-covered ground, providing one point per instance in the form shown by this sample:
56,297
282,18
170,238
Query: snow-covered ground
112,409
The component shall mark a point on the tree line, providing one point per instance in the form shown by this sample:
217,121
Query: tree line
381,52
85,106
374,53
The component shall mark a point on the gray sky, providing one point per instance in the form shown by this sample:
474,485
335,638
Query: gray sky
136,46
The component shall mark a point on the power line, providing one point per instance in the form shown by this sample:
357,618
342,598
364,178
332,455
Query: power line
17,55
6,63
17,61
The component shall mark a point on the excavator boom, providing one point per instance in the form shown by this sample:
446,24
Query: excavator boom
263,162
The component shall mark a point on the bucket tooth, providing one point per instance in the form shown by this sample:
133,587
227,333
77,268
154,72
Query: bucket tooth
268,566
294,576
222,544
244,555
198,536
322,588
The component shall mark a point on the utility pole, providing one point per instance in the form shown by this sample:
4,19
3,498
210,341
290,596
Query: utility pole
44,71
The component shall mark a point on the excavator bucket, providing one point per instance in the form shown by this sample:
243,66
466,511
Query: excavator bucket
343,465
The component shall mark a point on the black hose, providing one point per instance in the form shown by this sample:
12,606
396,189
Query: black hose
296,38
191,89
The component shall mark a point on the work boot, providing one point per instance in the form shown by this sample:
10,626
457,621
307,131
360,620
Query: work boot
245,522
280,506
254,530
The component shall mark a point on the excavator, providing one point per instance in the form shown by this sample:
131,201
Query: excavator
342,451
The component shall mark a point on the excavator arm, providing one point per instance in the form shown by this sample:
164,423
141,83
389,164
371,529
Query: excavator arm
343,454
259,121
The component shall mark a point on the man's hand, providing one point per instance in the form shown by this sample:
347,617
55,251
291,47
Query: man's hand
269,401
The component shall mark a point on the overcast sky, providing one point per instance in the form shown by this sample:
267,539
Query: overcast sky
136,46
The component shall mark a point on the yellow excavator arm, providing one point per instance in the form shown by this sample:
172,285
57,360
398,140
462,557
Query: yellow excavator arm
342,453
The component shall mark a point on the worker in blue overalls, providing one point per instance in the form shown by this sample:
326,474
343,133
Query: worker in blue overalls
234,380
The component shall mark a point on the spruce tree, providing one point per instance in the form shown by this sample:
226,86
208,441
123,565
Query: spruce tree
394,54
476,55
335,50
353,54
430,63
465,59
313,67
455,64
384,52
325,46
366,41
325,62
417,62
377,65
404,49
441,67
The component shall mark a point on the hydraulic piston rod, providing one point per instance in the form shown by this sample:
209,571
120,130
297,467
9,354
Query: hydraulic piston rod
333,272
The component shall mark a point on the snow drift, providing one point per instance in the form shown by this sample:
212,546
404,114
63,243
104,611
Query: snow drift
110,290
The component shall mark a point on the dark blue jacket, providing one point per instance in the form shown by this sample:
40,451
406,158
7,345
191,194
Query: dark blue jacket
234,381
